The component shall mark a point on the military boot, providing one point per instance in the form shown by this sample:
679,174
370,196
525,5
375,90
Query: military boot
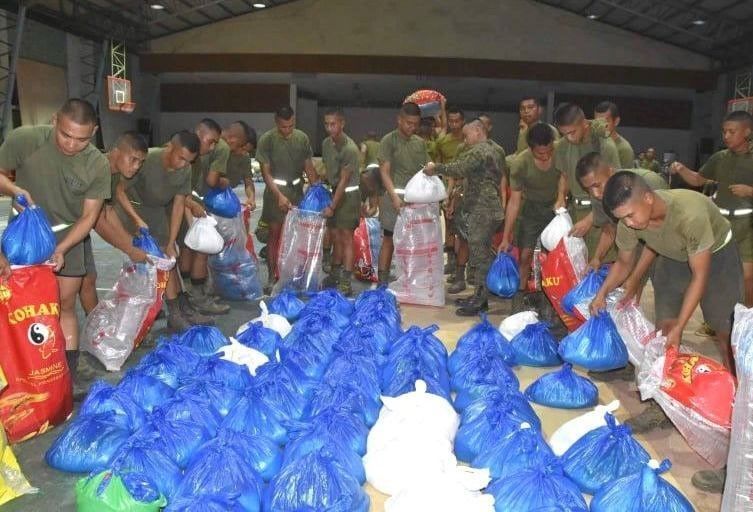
176,320
190,313
205,304
333,278
710,480
479,303
459,284
652,418
449,267
472,278
344,284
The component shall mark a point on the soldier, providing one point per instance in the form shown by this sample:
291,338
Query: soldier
427,131
531,111
241,140
340,157
482,168
732,169
610,114
650,161
369,149
402,154
284,154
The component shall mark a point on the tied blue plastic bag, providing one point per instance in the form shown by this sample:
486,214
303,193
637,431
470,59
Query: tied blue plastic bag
194,408
349,460
346,396
226,373
585,290
316,198
28,239
644,491
261,453
170,362
287,304
355,368
205,340
308,347
222,396
315,483
253,415
329,300
377,306
401,372
261,338
362,341
88,444
222,202
596,345
521,449
503,278
563,389
541,488
178,439
205,503
103,397
139,455
482,336
148,244
146,391
333,426
498,378
604,455
535,346
479,368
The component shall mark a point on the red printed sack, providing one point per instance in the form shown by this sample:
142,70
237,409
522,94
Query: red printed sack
557,278
39,392
363,266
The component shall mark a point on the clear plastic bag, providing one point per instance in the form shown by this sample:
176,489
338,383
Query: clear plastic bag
299,262
234,270
418,256
13,483
422,188
635,329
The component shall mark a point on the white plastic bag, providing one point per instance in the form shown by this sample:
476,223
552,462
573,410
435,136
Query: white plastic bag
569,432
299,262
514,324
418,256
269,320
203,236
424,189
234,272
557,229
239,353
452,491
738,489
635,329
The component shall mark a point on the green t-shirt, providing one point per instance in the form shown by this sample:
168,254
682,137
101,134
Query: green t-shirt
215,160
447,148
406,156
336,157
539,186
728,168
155,186
692,224
523,143
372,152
57,182
567,155
238,169
651,165
286,157
655,181
433,149
625,152
114,180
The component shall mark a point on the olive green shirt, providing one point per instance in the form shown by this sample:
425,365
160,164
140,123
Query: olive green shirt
655,181
433,149
215,160
693,224
523,142
537,185
114,180
372,152
286,157
336,157
625,152
406,156
567,155
57,182
155,186
447,148
652,165
238,169
728,168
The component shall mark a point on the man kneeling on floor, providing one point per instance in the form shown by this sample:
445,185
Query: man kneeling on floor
698,249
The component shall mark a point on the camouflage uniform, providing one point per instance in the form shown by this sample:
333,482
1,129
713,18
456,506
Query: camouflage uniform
482,167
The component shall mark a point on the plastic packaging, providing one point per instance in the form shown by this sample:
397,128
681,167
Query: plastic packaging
139,455
242,355
535,346
482,340
309,344
299,262
503,278
109,492
563,389
222,396
632,325
644,491
603,455
261,338
446,491
28,239
193,408
170,362
146,242
234,270
260,452
422,188
595,346
203,339
178,439
569,432
559,227
205,503
576,300
520,449
367,241
513,324
13,483
346,458
223,202
269,320
559,276
418,256
287,304
103,397
316,198
330,300
229,374
346,396
417,355
203,236
498,377
332,426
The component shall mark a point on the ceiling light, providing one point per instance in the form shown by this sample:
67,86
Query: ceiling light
157,7
260,5
698,22
593,16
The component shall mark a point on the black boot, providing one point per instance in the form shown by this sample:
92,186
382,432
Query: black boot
477,303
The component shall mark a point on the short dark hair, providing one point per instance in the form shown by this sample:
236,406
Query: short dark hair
622,186
538,101
285,113
211,124
186,139
607,106
567,114
248,132
740,116
132,140
410,109
540,134
587,164
79,111
456,110
335,111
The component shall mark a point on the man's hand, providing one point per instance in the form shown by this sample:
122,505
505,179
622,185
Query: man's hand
328,212
630,287
598,304
136,255
559,204
580,228
196,209
503,245
429,168
171,250
283,203
141,224
58,260
677,167
741,190
4,267
251,204
595,263
673,337
18,191
397,203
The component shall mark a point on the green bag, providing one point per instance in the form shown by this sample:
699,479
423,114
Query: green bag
106,492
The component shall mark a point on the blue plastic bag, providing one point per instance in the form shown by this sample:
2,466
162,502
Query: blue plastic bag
194,408
357,370
349,460
287,304
222,202
502,380
146,391
226,373
503,278
644,491
479,369
316,198
604,455
535,346
585,290
563,389
28,239
401,372
205,503
345,396
308,347
205,340
329,300
178,439
261,338
261,453
379,295
148,244
521,449
169,363
104,397
315,483
255,416
223,397
88,443
482,337
334,425
361,341
416,339
541,488
596,345
139,455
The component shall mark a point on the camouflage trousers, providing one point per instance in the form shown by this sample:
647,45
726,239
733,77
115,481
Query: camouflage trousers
482,225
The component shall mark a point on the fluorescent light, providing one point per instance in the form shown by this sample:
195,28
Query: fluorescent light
259,5
157,7
698,22
593,16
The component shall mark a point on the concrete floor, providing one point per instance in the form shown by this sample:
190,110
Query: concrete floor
56,489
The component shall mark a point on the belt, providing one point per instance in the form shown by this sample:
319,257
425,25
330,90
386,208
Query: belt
284,183
400,191
736,213
582,202
352,189
55,229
